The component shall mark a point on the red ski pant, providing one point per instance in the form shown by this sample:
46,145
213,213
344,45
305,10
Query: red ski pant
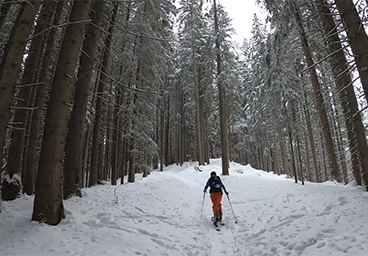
216,202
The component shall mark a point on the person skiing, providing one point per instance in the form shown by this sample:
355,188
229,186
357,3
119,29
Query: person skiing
216,187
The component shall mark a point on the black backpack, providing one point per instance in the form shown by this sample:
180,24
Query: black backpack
216,183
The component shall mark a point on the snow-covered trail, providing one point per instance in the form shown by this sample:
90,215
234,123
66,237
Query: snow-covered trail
161,215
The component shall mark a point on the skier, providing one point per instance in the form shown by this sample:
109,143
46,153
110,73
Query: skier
216,187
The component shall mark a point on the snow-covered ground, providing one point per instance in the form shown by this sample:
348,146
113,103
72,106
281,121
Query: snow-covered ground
162,215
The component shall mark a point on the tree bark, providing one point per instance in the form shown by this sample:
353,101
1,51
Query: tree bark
115,138
312,143
85,151
358,39
48,204
42,80
74,142
293,155
96,155
197,94
11,63
24,97
167,133
353,120
223,118
319,99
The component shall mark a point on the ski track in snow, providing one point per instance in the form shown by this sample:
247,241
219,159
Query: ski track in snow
161,215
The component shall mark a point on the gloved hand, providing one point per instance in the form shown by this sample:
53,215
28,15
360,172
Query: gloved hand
205,191
227,193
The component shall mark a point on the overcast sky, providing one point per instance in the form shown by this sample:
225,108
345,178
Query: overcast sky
241,12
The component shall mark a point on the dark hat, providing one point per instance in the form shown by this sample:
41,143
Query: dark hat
213,173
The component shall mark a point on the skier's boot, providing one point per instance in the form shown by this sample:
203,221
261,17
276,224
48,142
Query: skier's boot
222,223
217,218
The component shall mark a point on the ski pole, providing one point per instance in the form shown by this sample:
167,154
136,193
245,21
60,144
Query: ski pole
204,194
231,207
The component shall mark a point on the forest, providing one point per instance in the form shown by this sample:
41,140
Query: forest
98,90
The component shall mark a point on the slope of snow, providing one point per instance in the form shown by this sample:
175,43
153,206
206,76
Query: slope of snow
162,215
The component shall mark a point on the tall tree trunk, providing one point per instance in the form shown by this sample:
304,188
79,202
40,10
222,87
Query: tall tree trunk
10,67
205,137
92,152
197,94
298,145
115,137
306,143
223,118
133,141
325,165
283,150
107,146
85,151
26,186
167,133
42,80
24,97
292,155
93,175
132,159
125,154
358,39
312,143
48,204
319,99
74,142
353,120
162,135
96,155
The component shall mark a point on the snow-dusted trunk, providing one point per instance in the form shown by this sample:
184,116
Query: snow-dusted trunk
106,146
292,155
115,146
98,145
358,40
48,204
312,143
125,154
38,112
205,137
25,149
167,133
23,99
181,124
132,160
319,99
353,120
76,129
162,132
85,152
199,119
133,157
223,117
306,143
281,139
300,167
10,68
96,137
179,106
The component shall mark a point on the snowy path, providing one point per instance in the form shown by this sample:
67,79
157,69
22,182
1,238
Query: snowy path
160,215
